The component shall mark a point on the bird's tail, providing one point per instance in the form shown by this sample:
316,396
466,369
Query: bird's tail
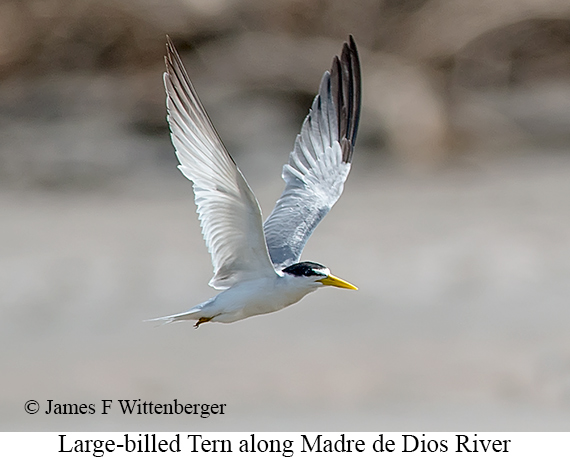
193,314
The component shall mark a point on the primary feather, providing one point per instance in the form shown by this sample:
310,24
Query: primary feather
320,161
228,210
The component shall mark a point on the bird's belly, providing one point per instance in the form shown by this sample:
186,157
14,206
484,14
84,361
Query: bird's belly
251,299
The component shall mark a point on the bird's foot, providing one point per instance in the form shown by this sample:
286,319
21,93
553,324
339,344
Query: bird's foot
202,320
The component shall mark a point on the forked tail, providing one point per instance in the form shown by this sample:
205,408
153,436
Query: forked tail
193,314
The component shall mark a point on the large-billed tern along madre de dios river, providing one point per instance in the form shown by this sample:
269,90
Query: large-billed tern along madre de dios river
257,264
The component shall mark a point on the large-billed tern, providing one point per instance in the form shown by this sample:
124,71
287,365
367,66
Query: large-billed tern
258,263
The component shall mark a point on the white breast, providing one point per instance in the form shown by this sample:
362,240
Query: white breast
259,296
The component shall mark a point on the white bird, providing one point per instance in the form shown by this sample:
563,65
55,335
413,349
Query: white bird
258,264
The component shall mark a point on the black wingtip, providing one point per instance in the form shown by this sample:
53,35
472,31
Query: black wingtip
352,43
357,78
346,88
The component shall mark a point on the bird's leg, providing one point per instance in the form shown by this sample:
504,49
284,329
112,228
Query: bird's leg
202,320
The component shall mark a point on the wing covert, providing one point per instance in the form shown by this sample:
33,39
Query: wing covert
320,161
227,208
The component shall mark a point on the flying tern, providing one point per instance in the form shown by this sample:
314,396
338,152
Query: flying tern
257,264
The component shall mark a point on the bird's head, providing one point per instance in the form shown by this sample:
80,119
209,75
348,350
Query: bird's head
318,274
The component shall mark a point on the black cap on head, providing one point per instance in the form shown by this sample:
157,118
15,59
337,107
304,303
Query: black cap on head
306,269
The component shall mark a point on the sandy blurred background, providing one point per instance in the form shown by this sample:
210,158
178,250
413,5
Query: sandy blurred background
455,222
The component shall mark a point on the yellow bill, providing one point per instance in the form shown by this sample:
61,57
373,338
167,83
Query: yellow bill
331,280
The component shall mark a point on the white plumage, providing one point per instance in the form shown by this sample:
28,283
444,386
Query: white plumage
257,264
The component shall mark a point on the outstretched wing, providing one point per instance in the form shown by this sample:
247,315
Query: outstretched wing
228,211
320,161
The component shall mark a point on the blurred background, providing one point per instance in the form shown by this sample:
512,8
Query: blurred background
455,222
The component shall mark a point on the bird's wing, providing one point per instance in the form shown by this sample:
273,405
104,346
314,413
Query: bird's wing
228,211
320,161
